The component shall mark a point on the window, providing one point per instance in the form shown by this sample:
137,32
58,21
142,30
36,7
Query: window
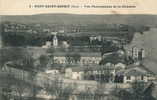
142,77
128,77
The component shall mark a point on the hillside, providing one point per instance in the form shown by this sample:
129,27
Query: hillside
67,19
147,41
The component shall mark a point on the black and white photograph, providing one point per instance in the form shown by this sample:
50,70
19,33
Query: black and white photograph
62,56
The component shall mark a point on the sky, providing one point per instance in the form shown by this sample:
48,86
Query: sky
22,7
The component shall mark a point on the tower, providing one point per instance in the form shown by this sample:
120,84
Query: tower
55,41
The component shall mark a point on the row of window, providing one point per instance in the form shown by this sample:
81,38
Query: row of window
82,61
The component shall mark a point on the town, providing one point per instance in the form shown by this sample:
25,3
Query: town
76,62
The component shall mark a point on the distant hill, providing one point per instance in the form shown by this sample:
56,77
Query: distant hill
84,19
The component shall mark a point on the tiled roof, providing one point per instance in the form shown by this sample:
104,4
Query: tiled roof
134,70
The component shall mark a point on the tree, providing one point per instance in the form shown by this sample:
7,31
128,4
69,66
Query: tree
43,60
50,50
137,92
19,59
11,54
56,89
142,91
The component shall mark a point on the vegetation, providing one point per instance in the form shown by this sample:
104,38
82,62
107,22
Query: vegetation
139,91
16,55
57,91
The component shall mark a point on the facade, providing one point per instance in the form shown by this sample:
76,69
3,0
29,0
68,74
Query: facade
138,53
76,73
135,73
135,52
137,49
83,58
98,73
47,45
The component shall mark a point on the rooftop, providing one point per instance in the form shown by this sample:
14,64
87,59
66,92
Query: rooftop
90,68
135,70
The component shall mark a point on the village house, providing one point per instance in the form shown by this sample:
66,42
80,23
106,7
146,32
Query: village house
134,73
107,73
97,72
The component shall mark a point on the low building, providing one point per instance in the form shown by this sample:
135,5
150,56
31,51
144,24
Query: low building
75,73
135,73
97,72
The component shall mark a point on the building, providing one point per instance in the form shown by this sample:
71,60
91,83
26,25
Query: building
16,71
47,45
116,59
76,73
52,72
97,72
135,73
138,53
135,52
137,48
83,58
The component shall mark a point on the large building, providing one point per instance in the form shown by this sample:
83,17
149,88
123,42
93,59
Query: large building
83,58
97,72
